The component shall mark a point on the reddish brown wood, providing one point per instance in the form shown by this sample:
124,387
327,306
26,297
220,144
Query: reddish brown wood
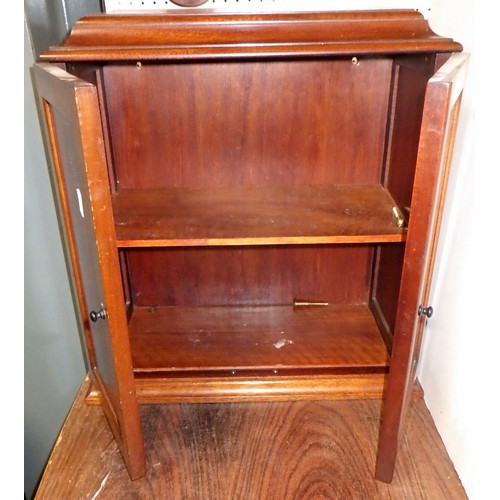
248,387
230,137
101,90
127,290
92,73
264,123
76,144
434,155
413,72
159,388
237,451
255,216
410,75
439,206
384,295
339,274
196,35
239,338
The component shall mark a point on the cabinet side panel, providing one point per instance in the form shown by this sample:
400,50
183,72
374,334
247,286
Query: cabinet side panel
413,73
248,123
410,77
250,276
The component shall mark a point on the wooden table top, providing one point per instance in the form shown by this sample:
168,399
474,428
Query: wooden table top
249,451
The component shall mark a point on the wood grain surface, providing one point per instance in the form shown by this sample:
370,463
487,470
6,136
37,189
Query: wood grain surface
257,385
255,216
410,76
441,107
249,275
229,124
250,451
233,338
228,103
79,165
203,34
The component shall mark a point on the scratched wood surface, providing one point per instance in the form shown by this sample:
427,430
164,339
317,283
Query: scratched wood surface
197,338
279,450
255,216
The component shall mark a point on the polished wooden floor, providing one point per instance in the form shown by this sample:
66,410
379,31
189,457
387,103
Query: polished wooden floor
250,451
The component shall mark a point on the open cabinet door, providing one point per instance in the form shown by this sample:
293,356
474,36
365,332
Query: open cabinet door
74,132
440,113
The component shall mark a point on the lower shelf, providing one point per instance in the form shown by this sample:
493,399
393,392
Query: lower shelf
231,354
231,339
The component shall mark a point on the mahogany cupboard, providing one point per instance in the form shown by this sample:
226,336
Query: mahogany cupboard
251,204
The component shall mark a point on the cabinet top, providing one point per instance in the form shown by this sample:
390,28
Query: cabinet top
206,35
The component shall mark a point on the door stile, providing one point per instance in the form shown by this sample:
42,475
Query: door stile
425,293
440,114
100,199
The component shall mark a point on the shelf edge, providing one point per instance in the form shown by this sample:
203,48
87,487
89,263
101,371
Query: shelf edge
292,240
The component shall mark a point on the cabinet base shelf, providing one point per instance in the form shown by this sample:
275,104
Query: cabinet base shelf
259,353
224,390
163,390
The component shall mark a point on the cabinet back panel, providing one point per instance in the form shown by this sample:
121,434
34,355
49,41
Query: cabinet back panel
248,123
249,275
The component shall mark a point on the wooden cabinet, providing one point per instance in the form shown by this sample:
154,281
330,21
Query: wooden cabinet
251,204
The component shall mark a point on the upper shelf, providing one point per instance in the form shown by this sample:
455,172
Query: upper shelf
203,34
275,215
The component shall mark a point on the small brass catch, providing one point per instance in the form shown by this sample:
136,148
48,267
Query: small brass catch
308,303
398,215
